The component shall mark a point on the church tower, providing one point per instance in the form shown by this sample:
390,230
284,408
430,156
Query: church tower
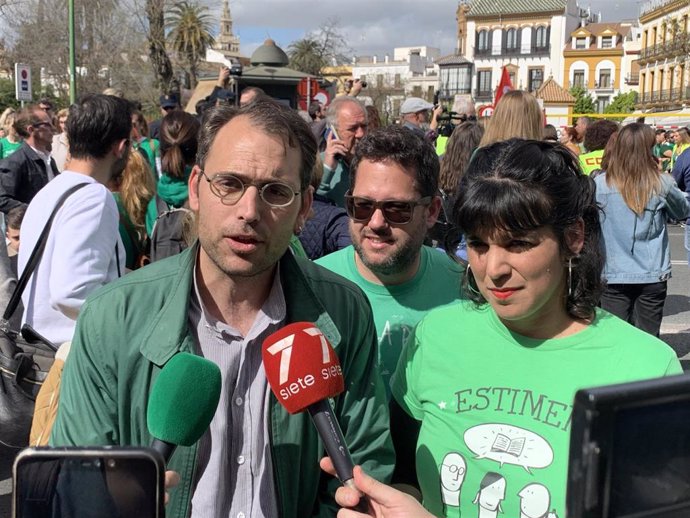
227,43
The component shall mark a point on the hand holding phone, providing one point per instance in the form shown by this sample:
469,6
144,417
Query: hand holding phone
335,148
103,482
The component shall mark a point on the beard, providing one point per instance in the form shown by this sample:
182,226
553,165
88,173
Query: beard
396,262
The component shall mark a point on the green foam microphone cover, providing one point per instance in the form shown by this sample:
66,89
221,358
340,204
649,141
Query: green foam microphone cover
184,399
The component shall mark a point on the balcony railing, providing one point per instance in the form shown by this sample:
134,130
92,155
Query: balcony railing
632,79
483,94
672,95
523,50
680,44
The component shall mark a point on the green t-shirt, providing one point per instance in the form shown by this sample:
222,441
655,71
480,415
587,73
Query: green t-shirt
7,147
496,407
659,150
398,308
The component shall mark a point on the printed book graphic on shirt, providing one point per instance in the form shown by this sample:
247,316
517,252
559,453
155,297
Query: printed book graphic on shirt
492,491
453,471
508,444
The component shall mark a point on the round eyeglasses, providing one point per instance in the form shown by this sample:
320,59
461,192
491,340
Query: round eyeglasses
395,212
230,188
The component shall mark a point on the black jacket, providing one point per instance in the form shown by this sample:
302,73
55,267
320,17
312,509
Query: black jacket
22,175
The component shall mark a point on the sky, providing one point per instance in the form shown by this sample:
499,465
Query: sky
371,26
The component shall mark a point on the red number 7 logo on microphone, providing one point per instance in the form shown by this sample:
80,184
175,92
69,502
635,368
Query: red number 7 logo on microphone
284,347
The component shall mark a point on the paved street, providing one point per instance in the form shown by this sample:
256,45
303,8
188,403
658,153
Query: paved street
675,331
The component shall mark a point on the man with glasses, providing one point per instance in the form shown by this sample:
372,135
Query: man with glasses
221,298
393,201
31,167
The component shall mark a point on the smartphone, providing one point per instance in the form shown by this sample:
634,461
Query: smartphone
331,130
104,482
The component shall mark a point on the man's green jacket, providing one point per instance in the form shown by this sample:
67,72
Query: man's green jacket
129,329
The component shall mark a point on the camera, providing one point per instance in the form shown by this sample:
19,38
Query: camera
235,68
350,82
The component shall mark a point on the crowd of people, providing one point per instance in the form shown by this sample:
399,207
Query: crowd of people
468,293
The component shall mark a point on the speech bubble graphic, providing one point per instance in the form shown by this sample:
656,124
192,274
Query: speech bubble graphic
508,444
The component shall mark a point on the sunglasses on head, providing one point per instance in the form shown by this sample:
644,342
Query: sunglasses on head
394,211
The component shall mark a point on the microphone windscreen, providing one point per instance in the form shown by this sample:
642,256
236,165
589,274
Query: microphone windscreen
301,366
184,399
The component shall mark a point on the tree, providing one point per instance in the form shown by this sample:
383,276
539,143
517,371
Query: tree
190,34
583,100
306,56
317,49
105,57
622,103
160,61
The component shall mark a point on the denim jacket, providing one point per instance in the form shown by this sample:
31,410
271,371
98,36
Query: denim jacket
636,247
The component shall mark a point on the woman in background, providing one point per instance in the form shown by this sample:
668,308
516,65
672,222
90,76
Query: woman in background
569,139
517,115
636,200
60,150
133,191
11,141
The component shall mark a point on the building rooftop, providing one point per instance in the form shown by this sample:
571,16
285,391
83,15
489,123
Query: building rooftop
505,7
553,93
453,59
600,29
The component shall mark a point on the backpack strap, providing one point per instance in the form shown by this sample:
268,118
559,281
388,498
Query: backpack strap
34,259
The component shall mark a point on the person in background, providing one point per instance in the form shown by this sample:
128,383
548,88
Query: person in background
461,146
517,115
250,94
83,251
149,146
581,125
681,139
30,168
178,149
663,151
681,174
347,124
316,111
14,223
550,134
597,137
11,141
326,229
60,150
392,203
373,117
471,373
133,191
569,138
415,114
636,202
168,103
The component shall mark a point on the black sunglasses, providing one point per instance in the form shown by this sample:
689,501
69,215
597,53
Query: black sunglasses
394,211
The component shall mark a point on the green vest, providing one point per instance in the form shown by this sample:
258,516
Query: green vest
591,161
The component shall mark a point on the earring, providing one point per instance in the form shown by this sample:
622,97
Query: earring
299,230
469,276
570,277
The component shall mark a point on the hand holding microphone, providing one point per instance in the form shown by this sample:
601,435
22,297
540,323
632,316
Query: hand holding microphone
303,372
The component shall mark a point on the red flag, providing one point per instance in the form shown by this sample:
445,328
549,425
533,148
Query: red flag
504,86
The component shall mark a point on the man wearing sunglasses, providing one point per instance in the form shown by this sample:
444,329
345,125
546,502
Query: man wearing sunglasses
31,167
393,201
221,298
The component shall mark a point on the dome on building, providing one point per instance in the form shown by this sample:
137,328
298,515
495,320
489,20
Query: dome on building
269,54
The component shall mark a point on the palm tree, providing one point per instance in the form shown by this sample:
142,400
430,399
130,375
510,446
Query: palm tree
307,55
189,25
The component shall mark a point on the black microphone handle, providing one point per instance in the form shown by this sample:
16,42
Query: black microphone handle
166,449
332,436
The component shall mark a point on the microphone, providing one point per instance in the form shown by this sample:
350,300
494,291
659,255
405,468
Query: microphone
182,403
303,372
